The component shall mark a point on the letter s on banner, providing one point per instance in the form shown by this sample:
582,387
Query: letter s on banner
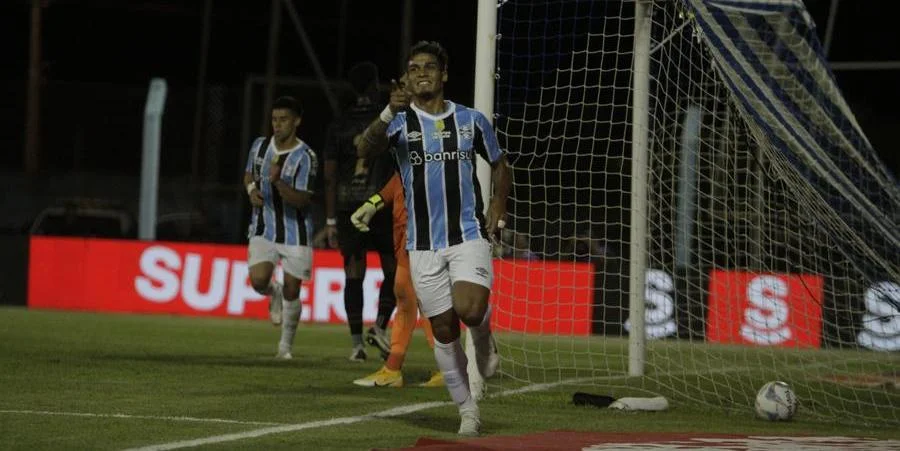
765,320
659,311
881,322
157,265
764,309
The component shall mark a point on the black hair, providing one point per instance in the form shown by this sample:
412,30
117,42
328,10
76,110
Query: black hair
288,103
363,76
432,48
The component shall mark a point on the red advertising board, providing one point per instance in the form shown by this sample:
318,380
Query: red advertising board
211,280
554,298
765,309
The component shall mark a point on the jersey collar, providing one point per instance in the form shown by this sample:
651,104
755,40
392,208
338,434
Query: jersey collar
450,109
297,145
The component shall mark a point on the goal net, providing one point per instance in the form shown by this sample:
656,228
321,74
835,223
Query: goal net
772,240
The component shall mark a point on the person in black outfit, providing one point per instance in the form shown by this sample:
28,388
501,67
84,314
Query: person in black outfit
349,181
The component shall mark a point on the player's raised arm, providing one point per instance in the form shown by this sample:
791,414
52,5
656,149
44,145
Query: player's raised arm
374,139
296,198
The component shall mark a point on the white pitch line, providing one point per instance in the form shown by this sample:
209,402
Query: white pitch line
394,412
138,417
397,411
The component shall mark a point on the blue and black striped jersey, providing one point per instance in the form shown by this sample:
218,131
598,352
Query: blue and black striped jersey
276,220
435,155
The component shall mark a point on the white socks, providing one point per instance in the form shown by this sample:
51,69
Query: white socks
451,360
273,288
290,317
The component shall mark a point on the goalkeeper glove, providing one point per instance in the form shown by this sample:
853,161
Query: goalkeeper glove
361,217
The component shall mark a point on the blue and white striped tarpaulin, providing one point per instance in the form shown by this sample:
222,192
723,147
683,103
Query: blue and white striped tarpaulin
770,59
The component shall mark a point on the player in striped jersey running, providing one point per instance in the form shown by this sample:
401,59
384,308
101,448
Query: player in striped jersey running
434,142
279,177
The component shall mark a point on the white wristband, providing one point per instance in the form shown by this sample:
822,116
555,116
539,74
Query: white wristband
250,187
331,221
386,115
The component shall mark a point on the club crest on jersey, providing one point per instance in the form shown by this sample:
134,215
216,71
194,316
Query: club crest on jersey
465,132
413,136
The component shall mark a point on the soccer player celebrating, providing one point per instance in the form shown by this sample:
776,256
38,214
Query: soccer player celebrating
434,142
279,177
391,195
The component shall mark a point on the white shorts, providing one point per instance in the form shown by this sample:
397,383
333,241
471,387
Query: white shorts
295,260
434,272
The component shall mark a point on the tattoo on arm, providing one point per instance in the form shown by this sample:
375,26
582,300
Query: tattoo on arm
374,140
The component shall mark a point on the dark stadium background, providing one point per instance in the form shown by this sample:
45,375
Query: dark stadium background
96,53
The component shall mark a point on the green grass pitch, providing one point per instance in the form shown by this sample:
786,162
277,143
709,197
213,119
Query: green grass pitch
71,380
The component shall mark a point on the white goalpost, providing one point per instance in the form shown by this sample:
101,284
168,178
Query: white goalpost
695,209
485,53
639,151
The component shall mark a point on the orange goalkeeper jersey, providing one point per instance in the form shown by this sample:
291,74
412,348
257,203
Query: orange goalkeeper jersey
392,194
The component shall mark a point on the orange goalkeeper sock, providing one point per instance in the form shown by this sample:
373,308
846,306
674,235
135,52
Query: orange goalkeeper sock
404,322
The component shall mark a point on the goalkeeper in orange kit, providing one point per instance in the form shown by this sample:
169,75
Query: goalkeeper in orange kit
390,375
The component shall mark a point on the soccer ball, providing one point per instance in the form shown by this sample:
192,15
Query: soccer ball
775,401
